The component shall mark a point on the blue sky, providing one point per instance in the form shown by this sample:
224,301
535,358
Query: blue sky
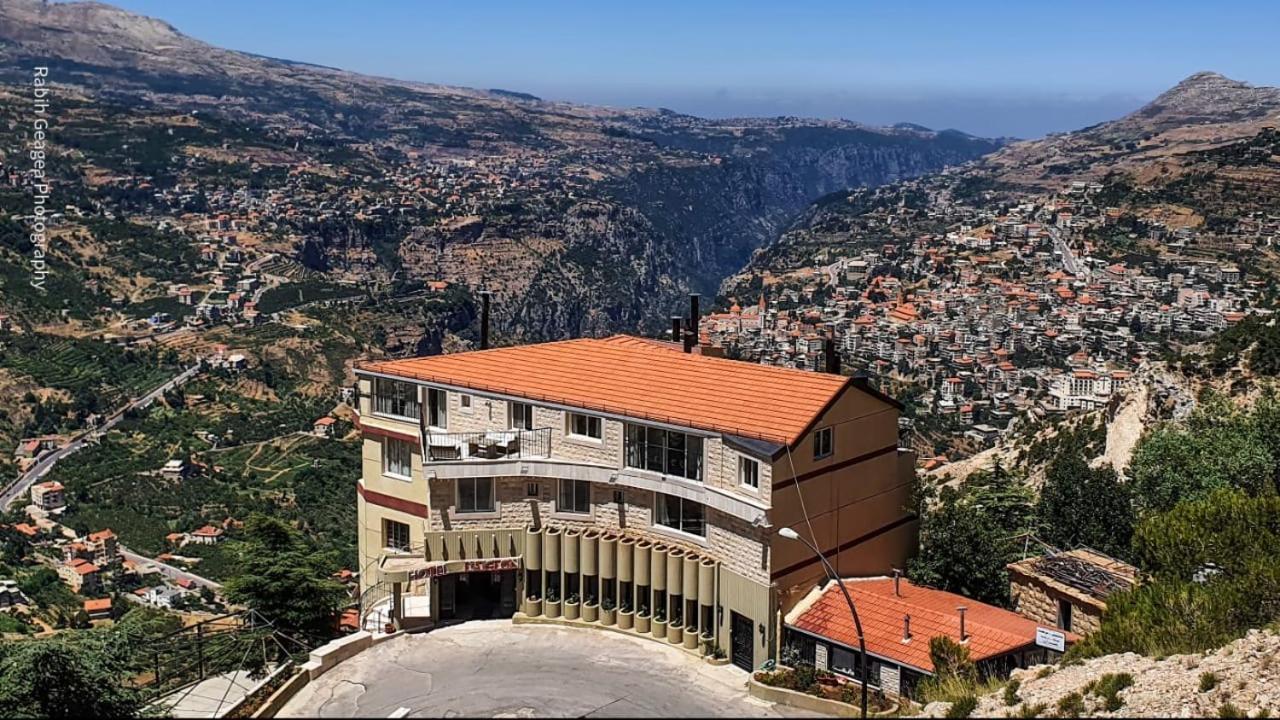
991,68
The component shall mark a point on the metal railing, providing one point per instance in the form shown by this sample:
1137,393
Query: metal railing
487,445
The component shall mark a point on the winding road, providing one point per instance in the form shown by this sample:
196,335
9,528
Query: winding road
42,467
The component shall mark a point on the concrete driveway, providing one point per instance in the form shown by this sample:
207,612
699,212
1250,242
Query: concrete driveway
496,669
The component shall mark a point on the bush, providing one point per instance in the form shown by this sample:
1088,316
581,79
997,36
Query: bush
1208,681
1227,710
1011,693
1108,688
1032,711
1071,705
962,708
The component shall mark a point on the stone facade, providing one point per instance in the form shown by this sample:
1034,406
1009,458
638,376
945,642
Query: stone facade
1037,601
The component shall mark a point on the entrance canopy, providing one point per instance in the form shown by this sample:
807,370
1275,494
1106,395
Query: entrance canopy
407,568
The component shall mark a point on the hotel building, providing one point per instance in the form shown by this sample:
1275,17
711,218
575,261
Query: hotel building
621,482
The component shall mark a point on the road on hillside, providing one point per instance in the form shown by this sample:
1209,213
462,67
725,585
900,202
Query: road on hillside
169,571
42,467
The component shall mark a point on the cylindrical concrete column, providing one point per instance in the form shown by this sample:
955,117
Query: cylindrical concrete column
658,567
609,557
590,560
706,581
641,562
533,549
675,571
571,538
551,549
691,576
626,549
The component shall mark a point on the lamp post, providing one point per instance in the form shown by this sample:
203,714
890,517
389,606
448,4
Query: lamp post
790,534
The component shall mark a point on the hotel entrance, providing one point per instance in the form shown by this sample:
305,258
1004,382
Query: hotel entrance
480,595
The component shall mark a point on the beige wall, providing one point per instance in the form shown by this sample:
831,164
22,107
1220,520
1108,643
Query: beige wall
845,503
1037,601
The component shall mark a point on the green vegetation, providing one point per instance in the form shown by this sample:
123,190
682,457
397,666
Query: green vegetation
955,677
1208,681
280,578
299,293
1011,693
1108,688
1084,506
968,535
962,708
1071,705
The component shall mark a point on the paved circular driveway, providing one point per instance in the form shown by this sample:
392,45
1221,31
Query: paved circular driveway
496,669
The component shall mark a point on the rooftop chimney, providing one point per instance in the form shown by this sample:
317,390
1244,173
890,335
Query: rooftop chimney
691,330
963,635
897,576
906,628
484,319
677,328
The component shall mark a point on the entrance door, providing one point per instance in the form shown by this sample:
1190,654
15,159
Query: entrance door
742,638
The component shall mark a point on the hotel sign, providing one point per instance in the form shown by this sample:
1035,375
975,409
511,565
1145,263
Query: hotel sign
438,569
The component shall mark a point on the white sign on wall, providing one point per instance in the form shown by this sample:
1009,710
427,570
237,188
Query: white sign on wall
820,656
1051,639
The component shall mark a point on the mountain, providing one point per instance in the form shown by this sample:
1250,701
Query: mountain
1203,111
582,219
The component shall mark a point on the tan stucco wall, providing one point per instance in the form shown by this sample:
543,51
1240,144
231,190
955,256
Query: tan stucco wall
1036,601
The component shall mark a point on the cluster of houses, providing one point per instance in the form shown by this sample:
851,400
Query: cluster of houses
1004,314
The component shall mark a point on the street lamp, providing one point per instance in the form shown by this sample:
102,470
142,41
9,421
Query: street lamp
790,534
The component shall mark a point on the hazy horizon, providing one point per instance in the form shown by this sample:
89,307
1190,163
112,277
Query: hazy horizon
1004,69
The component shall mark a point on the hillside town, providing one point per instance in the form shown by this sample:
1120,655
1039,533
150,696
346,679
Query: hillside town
1009,312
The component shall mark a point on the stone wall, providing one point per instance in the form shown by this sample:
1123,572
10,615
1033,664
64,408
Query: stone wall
1039,602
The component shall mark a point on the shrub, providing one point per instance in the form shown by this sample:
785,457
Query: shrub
1227,710
1208,681
1108,688
1032,711
1011,693
1071,705
962,708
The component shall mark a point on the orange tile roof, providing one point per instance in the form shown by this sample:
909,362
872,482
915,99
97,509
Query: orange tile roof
638,378
96,604
992,631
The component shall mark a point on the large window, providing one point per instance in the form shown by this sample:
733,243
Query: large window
665,451
391,397
677,513
574,497
397,458
587,426
395,535
822,443
438,408
520,416
749,472
475,495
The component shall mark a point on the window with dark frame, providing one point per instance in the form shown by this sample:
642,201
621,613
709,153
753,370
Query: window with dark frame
397,458
677,513
823,440
520,416
574,497
669,452
392,397
585,426
748,472
437,408
475,495
395,535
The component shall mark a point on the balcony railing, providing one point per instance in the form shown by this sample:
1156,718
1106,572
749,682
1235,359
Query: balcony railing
488,445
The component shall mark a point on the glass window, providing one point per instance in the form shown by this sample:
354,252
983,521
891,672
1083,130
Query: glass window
822,443
391,397
475,495
665,451
677,513
464,402
575,496
438,408
520,416
587,426
397,457
748,472
395,535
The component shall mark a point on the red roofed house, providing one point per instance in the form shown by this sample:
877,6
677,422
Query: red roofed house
81,576
636,479
323,427
48,495
898,620
98,608
207,535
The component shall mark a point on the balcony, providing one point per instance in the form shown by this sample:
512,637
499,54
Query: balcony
489,445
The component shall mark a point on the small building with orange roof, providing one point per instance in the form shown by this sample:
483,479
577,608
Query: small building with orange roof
899,618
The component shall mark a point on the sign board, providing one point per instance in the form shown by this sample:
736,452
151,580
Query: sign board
1051,639
820,656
